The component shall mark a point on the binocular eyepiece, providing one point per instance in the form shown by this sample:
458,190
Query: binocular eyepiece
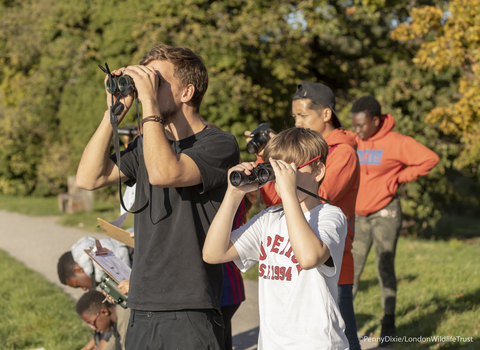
123,83
262,173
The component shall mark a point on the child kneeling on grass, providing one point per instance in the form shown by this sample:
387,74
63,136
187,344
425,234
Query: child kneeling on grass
104,317
299,249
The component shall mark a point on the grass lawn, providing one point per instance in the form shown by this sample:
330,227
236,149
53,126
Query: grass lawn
107,209
438,294
35,313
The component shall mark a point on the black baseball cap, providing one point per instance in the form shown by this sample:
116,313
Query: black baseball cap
319,93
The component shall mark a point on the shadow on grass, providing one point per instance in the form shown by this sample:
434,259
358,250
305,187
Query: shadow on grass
362,319
366,284
427,325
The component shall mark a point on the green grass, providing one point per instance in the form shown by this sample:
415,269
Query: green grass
35,313
105,208
34,206
438,293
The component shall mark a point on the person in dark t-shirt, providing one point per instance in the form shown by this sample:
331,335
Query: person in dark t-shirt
180,169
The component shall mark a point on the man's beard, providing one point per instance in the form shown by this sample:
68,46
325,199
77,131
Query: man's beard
169,112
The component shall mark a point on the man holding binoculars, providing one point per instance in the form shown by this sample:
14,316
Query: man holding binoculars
174,295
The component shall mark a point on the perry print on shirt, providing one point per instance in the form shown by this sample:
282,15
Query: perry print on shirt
276,245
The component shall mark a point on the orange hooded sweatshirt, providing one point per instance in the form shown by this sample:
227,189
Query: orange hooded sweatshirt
387,159
340,187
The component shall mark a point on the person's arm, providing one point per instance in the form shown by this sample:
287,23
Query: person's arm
90,345
217,247
96,170
418,158
102,344
110,344
342,172
309,250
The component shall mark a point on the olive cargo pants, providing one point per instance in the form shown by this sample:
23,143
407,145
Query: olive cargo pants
382,229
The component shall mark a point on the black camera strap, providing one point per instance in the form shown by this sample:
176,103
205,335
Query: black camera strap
115,110
313,194
259,199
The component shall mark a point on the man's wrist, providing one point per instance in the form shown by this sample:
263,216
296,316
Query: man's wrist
154,118
150,107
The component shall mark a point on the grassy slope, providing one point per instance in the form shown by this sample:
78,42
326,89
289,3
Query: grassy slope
35,313
438,293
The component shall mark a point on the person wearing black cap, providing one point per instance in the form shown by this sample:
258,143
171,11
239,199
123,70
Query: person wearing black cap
313,108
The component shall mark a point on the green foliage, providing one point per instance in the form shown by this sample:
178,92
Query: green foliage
52,96
35,313
451,41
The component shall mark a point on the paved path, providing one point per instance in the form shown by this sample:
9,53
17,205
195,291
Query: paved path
38,242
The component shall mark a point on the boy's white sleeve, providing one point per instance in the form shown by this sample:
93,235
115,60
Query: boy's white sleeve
247,240
331,228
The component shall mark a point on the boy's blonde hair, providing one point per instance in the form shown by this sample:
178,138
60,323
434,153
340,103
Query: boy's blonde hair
297,145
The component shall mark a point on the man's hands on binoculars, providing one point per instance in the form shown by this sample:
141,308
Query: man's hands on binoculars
146,81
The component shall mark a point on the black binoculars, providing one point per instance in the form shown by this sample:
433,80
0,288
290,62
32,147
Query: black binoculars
109,286
262,173
122,83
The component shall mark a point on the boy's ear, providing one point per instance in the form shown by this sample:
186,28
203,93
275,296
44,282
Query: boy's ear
105,311
77,269
320,172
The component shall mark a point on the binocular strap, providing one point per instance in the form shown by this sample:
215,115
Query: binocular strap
142,168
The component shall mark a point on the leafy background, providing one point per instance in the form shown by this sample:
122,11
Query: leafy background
52,96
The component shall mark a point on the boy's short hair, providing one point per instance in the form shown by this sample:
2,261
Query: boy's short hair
368,105
66,267
90,303
189,68
297,145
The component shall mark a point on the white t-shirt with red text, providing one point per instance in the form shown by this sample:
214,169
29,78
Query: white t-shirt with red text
298,308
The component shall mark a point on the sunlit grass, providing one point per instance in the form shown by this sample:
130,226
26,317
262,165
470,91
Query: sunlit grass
35,313
438,294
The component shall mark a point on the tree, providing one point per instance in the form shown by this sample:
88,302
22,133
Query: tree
256,52
451,39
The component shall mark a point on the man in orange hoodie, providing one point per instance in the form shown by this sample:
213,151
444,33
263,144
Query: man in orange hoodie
386,159
313,108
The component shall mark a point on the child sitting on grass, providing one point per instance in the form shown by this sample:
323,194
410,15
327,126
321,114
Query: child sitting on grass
299,249
104,317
